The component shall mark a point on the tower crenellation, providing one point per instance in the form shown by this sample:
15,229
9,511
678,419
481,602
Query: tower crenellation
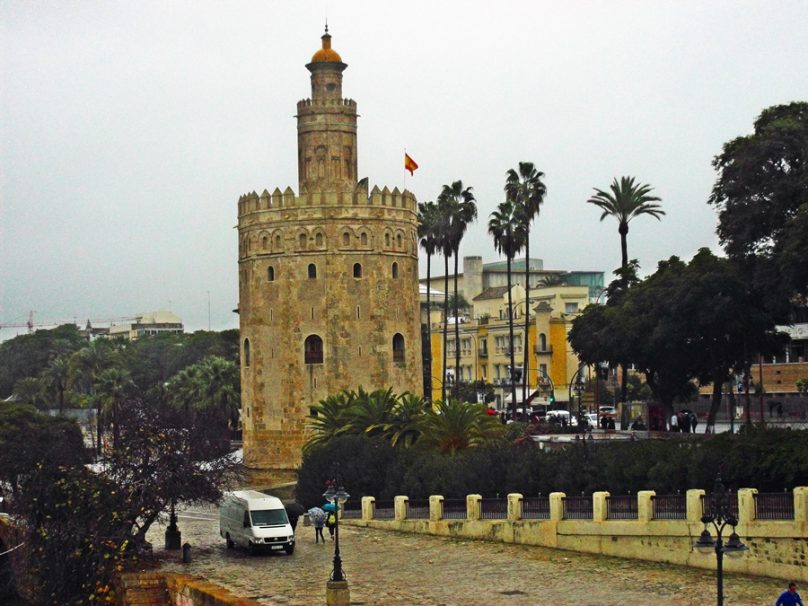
328,282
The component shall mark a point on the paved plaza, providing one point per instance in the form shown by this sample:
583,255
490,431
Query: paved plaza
387,568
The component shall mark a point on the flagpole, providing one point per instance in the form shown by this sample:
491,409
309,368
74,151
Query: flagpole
405,171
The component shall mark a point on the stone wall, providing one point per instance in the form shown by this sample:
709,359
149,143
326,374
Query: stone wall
170,589
776,547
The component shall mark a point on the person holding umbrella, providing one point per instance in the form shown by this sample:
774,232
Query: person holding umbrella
317,516
331,520
293,511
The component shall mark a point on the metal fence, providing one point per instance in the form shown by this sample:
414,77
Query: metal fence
493,509
352,510
733,503
578,508
669,507
384,510
454,509
774,506
621,507
536,508
418,509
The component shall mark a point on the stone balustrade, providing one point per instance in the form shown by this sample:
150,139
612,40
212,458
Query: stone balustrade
643,526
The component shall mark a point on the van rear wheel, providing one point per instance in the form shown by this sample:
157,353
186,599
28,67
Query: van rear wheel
229,542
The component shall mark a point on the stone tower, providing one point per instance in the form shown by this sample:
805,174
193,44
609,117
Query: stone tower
328,283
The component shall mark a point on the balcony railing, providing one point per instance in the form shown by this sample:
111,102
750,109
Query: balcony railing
774,506
543,350
669,507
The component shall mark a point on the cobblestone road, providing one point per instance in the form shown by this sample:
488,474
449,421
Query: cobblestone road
386,568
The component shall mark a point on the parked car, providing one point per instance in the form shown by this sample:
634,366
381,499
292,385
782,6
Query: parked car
562,417
592,417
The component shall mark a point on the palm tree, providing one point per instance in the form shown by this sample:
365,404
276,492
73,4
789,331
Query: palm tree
455,426
31,390
626,201
56,377
371,413
112,386
508,230
407,414
461,203
85,367
428,231
526,190
444,219
329,418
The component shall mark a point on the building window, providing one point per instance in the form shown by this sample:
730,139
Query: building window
357,270
542,342
398,348
264,242
395,271
571,308
302,241
398,241
278,242
363,239
271,273
346,239
246,352
387,240
312,271
318,240
313,350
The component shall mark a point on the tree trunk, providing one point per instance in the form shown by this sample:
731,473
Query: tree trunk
445,323
715,400
526,341
623,229
510,343
457,326
428,355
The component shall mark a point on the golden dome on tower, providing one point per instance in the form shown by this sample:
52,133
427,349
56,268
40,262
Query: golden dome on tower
326,54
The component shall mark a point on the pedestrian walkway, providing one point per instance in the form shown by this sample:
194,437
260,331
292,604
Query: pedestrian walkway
389,568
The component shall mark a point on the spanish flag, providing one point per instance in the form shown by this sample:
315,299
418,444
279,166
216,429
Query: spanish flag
409,164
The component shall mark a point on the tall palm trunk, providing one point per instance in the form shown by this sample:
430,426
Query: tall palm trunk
623,229
510,347
428,356
526,341
445,323
457,324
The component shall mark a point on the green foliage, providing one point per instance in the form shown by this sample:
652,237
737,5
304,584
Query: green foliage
802,386
29,355
768,459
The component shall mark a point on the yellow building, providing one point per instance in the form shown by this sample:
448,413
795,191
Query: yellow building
328,283
485,342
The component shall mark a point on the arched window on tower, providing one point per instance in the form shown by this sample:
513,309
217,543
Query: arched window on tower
278,242
313,350
387,240
312,271
363,239
271,273
346,239
357,270
395,270
264,242
398,348
542,342
246,353
398,241
318,240
302,239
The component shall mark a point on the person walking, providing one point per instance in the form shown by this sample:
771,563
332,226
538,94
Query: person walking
330,522
317,516
693,421
674,422
789,597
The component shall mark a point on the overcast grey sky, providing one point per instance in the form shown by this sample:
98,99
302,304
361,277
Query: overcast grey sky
129,129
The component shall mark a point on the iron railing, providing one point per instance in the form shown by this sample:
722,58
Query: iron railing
454,509
418,509
669,507
493,509
352,510
774,506
621,507
384,510
578,508
536,508
733,503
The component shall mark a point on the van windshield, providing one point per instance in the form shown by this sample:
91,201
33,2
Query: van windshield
269,517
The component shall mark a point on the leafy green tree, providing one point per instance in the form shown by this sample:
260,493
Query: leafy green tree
508,231
114,385
329,418
31,390
802,386
404,426
429,234
461,206
761,195
526,190
467,392
455,426
86,365
29,355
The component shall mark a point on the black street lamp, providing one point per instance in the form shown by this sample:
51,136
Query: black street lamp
337,497
720,516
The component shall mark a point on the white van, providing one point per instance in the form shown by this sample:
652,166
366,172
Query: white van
255,521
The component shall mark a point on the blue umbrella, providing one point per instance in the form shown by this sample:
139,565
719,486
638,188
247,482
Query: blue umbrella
329,507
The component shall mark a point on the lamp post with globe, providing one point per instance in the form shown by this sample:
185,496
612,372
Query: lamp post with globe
337,592
719,515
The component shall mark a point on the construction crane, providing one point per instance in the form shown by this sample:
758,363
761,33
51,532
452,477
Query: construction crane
31,325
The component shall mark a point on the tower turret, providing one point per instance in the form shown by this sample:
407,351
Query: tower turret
326,127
